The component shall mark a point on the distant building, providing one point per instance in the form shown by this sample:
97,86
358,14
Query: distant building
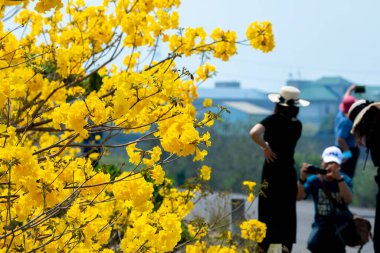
252,105
325,95
245,105
232,84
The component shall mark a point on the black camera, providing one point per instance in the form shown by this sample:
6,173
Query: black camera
312,169
359,89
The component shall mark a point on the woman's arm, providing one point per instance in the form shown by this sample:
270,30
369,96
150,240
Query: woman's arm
257,133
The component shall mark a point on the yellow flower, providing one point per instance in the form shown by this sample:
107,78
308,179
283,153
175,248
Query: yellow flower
12,2
253,230
251,197
205,71
208,119
197,232
207,102
199,155
158,174
76,116
205,173
53,96
3,128
197,247
134,154
134,190
94,156
206,139
229,235
250,185
261,36
46,5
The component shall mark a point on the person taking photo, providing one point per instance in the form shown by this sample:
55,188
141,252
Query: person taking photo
343,137
330,182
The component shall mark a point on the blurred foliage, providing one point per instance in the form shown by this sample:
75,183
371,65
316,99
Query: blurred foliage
365,188
234,157
327,124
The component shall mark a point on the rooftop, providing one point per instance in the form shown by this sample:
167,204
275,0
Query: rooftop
248,108
231,93
332,80
316,92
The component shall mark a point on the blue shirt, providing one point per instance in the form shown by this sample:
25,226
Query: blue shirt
343,127
322,205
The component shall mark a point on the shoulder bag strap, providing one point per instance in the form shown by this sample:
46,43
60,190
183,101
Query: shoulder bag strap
328,194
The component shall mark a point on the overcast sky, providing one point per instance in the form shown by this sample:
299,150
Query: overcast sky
314,38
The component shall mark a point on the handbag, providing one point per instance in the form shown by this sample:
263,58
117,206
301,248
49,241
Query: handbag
352,229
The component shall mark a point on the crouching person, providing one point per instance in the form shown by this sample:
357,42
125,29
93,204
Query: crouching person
326,185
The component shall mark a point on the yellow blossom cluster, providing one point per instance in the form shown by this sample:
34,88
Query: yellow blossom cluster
205,71
207,102
205,173
188,42
63,93
260,35
12,2
227,46
41,6
197,232
204,248
253,230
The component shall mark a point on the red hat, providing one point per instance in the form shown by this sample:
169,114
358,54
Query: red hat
346,103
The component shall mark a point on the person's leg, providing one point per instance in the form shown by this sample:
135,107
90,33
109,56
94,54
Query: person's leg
264,246
263,207
376,233
287,247
330,242
335,246
349,166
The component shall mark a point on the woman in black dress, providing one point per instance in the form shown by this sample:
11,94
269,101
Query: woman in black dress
277,136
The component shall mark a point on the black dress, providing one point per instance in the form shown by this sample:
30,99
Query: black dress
277,209
371,124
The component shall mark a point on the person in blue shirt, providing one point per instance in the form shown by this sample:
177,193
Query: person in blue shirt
323,238
343,137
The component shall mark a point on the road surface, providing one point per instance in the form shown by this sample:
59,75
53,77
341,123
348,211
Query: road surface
305,213
219,205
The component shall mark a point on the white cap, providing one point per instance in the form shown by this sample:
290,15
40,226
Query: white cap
332,154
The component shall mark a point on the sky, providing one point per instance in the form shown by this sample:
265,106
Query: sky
314,38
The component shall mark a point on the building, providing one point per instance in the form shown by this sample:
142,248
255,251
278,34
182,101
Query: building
245,105
252,105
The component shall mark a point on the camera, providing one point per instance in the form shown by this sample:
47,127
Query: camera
312,169
359,89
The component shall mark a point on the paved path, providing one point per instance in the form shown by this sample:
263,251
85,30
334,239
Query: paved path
221,204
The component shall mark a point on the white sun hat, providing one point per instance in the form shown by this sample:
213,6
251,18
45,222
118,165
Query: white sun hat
358,109
288,96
